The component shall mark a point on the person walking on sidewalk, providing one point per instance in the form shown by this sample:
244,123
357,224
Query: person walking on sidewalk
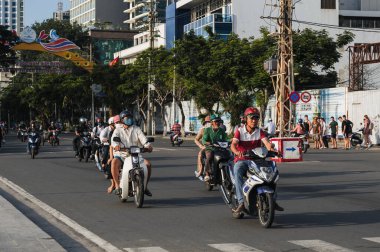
367,131
347,131
334,129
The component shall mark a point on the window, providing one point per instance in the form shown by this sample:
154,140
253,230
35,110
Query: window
13,3
6,3
328,4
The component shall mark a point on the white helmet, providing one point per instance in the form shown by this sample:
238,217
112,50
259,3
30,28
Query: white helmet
110,120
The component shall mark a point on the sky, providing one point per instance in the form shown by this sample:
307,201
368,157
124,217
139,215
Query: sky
39,10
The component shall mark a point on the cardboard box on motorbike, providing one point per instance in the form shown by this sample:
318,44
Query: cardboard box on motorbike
289,147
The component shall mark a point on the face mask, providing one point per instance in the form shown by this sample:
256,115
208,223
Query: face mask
206,125
128,121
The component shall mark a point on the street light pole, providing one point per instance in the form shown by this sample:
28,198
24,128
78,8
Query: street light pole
151,40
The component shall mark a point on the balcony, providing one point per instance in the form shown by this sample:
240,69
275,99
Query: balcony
221,25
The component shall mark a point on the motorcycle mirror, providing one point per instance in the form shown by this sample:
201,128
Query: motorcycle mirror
150,139
117,139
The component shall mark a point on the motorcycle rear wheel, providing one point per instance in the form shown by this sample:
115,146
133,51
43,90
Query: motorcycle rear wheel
265,205
138,190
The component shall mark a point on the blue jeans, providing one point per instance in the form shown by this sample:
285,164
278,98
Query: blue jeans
240,169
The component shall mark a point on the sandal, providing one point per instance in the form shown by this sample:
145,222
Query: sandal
110,189
117,191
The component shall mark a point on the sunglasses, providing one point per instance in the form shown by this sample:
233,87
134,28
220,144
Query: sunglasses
252,116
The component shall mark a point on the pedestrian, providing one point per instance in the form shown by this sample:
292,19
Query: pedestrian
367,131
270,128
333,129
324,142
316,128
347,131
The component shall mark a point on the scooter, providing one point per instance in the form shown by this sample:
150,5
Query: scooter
219,166
33,144
85,147
357,138
304,141
54,140
98,152
133,178
259,189
175,139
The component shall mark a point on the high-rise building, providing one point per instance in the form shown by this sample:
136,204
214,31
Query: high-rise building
61,15
88,12
12,14
138,13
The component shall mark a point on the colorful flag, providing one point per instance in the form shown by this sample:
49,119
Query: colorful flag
114,61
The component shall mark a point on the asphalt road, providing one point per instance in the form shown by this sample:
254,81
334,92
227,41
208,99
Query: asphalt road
331,201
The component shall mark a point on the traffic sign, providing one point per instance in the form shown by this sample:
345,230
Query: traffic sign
294,97
305,97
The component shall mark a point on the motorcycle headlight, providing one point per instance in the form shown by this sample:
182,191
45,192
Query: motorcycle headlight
267,173
135,160
135,150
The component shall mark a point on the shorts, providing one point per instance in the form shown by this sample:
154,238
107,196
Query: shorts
333,136
347,134
316,137
120,158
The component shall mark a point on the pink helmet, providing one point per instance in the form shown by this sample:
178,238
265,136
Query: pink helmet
116,119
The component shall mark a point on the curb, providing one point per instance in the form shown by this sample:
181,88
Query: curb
87,234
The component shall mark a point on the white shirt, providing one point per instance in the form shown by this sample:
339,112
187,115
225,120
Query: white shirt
132,136
105,134
96,131
271,128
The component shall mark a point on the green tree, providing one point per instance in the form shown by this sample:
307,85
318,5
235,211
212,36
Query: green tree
7,40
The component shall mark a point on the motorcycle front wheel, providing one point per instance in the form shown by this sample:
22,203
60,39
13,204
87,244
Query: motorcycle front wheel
138,189
265,205
86,155
33,153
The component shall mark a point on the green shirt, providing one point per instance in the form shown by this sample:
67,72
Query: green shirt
333,126
209,135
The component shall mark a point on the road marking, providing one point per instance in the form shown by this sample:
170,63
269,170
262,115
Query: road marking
373,239
320,246
146,249
234,247
60,216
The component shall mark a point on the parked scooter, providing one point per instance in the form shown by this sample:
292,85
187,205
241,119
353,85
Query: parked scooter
33,144
133,177
219,166
259,189
357,137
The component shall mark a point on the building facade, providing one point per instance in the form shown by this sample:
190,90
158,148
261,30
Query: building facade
61,15
88,12
138,13
12,14
243,17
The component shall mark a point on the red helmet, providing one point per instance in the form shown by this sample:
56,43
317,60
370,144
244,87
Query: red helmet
251,110
116,119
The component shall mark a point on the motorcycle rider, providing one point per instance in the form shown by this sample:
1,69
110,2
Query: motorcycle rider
197,140
299,129
51,128
176,131
104,136
95,134
82,128
32,129
130,135
212,135
247,138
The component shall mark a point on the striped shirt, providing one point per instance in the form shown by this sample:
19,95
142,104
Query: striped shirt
247,141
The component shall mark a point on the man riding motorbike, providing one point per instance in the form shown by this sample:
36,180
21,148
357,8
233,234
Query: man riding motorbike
95,134
176,131
82,128
130,135
32,129
212,135
246,138
104,136
51,128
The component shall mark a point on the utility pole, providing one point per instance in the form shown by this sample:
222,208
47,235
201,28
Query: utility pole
285,75
151,17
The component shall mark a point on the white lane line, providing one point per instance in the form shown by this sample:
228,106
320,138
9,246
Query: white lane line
146,249
234,247
373,239
103,244
320,246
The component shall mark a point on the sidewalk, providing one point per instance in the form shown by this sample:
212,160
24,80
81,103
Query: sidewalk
18,233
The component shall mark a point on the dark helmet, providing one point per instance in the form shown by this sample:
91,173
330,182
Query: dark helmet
124,114
300,121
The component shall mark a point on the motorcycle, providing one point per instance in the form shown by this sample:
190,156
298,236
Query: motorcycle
356,138
304,141
219,166
22,135
175,139
54,140
98,152
259,189
33,144
85,147
133,177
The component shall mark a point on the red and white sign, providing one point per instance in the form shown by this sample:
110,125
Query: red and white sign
305,97
289,148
